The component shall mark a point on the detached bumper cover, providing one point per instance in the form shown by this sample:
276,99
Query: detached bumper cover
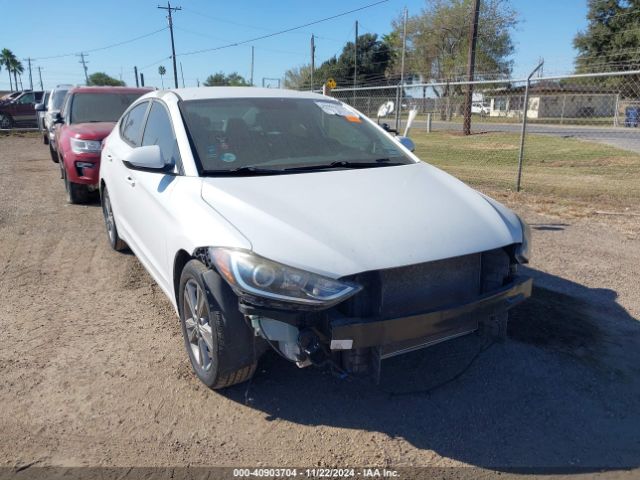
429,327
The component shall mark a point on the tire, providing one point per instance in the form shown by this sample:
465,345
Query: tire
207,334
110,223
76,192
54,154
6,122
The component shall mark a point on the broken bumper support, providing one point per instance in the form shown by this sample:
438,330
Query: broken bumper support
416,331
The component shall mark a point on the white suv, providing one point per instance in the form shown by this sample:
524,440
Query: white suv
288,220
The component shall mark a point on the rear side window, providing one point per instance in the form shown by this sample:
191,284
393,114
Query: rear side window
56,100
159,131
131,127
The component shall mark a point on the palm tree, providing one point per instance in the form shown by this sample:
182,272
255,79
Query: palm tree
16,68
162,71
5,59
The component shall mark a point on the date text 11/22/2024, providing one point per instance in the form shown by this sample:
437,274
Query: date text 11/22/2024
315,473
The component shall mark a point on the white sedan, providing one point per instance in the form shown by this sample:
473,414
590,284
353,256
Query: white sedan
288,220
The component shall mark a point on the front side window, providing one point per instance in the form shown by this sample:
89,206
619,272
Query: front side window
100,107
26,99
158,131
284,133
131,126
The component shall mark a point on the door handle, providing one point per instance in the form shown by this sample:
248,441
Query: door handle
109,157
130,180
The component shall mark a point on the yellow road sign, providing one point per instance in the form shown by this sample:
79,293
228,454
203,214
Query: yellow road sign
331,83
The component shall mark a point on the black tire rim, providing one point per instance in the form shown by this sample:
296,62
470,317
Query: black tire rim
198,331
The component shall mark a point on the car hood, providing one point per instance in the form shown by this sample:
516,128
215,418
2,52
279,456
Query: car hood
91,131
343,222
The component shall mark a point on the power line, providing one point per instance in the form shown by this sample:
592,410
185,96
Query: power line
262,37
106,47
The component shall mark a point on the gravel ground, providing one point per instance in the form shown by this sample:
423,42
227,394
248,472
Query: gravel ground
94,373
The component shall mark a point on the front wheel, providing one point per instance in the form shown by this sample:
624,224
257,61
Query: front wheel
53,153
76,192
206,332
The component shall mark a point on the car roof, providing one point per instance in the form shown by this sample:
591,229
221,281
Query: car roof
106,89
204,93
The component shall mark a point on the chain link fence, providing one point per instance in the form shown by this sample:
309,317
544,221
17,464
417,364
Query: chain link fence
576,137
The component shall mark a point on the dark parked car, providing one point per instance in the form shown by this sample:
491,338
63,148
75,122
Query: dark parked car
20,111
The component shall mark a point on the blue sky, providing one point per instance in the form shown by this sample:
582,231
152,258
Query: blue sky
41,28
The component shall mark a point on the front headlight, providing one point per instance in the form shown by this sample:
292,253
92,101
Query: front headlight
248,273
85,146
523,250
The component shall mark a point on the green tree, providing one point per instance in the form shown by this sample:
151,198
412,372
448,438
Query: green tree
438,40
374,60
162,71
5,59
17,69
101,78
222,80
611,41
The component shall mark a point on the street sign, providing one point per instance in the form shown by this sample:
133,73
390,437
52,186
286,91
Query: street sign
331,83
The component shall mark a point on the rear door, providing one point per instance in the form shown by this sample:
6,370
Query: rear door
117,176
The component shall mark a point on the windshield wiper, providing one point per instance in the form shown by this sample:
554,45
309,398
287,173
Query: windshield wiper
380,162
244,171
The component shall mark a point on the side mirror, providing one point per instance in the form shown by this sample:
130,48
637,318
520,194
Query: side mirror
407,143
58,118
40,107
148,157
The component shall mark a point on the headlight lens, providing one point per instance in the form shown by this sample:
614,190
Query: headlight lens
85,146
251,274
523,250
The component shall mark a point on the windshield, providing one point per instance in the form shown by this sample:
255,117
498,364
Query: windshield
273,134
100,107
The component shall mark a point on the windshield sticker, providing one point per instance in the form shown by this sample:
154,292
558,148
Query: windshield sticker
337,109
228,157
212,151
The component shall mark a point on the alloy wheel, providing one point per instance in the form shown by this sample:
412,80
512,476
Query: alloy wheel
198,329
108,217
5,122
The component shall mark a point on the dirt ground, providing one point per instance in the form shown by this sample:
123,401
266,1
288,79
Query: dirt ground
93,370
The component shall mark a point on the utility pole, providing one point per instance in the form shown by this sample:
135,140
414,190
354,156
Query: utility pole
252,62
171,9
84,65
40,75
313,58
355,65
30,77
135,72
400,87
182,74
471,63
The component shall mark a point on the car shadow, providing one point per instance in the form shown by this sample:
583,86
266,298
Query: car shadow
561,394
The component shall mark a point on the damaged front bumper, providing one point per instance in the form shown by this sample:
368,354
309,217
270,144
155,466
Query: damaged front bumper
401,335
308,338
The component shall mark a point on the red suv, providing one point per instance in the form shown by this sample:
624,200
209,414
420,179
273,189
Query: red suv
87,116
